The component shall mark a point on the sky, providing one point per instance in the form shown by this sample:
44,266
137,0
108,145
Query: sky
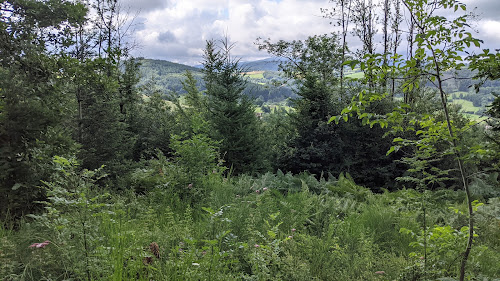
177,30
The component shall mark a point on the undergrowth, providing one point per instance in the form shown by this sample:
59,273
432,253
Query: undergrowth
272,227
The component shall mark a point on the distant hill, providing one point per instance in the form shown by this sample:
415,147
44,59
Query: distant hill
263,76
271,64
167,76
164,67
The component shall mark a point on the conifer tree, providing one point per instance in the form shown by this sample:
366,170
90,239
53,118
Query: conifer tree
317,147
105,90
230,113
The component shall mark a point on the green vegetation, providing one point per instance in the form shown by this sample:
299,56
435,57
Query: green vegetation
356,75
466,105
377,176
265,85
276,226
255,74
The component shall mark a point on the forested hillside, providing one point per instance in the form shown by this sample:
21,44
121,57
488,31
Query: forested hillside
268,86
263,85
122,168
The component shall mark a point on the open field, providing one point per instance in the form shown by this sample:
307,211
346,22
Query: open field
255,74
357,75
466,105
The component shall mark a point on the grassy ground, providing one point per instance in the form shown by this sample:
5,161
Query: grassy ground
357,75
255,74
466,105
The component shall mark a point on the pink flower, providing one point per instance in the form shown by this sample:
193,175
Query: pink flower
39,245
264,189
256,245
257,191
190,185
422,258
380,272
290,237
293,229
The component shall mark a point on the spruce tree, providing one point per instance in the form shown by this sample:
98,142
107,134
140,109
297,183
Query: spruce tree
230,113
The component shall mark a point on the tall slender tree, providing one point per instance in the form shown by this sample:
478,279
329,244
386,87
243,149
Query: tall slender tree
439,45
341,14
105,89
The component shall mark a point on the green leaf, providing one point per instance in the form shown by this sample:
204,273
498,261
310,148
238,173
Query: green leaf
334,118
353,63
208,210
391,150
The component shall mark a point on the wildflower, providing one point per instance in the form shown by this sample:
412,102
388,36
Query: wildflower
290,237
190,186
39,245
256,246
422,258
204,252
257,191
264,189
293,229
195,264
380,272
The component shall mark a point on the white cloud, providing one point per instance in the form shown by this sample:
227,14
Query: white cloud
181,28
178,29
489,32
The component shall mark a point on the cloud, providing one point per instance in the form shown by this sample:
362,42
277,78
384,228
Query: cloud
166,37
177,30
488,31
485,9
143,5
181,28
